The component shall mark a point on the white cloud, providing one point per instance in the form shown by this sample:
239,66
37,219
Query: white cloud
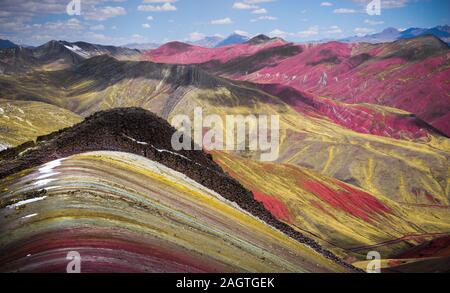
222,21
104,13
373,22
311,31
242,33
344,10
264,17
361,31
150,18
167,6
386,4
258,1
242,5
99,27
196,36
326,4
146,25
260,11
159,1
277,33
334,29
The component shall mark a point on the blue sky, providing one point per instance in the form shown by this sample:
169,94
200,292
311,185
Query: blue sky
120,22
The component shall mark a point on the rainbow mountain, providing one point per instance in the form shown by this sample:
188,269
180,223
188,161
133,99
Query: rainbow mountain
363,162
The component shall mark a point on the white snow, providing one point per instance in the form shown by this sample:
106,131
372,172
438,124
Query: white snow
134,140
77,50
24,202
29,216
48,168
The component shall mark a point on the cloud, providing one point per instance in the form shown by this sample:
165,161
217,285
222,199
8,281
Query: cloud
196,36
386,4
167,6
22,12
159,1
264,17
373,22
326,4
334,29
150,18
146,25
104,13
260,11
222,21
277,33
250,4
242,33
361,31
242,5
311,31
99,27
258,1
344,11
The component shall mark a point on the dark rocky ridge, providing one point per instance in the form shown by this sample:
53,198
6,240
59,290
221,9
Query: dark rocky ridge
111,131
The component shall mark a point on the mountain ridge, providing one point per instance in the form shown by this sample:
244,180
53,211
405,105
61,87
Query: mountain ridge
393,34
116,130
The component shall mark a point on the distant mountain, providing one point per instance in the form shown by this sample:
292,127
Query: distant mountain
56,55
393,34
208,42
442,32
142,47
6,44
232,40
261,39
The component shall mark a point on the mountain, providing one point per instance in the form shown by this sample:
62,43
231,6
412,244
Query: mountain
208,42
355,172
338,70
56,55
142,46
261,39
393,34
194,218
387,35
182,53
232,40
442,32
5,44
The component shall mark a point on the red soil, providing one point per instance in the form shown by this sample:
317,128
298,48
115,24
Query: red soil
359,118
180,53
355,202
275,206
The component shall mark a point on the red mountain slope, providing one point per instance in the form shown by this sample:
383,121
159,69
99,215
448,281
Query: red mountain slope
412,75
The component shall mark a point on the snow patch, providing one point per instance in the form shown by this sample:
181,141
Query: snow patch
24,202
77,50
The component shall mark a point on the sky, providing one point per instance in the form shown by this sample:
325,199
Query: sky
119,22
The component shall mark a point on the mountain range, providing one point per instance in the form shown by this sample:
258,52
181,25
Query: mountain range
142,46
208,42
232,40
393,34
58,54
363,157
329,69
5,44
